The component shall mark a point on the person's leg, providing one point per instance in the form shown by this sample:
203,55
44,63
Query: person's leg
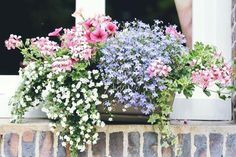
184,9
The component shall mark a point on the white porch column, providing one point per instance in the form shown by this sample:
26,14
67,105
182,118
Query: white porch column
90,8
211,25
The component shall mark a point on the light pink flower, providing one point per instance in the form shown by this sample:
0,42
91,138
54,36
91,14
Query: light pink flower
86,54
45,46
193,62
56,32
99,35
63,64
223,74
13,42
215,74
103,19
172,31
72,37
202,77
111,27
158,68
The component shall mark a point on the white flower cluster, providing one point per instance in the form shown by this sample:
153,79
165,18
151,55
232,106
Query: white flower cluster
74,105
28,94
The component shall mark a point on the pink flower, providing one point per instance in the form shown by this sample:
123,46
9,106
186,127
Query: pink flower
215,74
99,35
56,32
111,27
88,24
172,31
86,54
193,62
45,46
158,68
13,42
72,37
63,64
88,37
103,19
223,74
202,77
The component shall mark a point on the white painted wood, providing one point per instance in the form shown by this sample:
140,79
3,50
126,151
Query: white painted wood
8,86
90,8
211,24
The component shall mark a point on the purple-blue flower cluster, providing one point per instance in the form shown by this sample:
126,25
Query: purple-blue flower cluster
125,60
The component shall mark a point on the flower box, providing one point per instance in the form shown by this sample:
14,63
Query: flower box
97,73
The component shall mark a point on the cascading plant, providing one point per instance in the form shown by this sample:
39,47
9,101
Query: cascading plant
144,66
63,79
139,66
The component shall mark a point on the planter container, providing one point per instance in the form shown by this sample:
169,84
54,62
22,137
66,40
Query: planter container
132,115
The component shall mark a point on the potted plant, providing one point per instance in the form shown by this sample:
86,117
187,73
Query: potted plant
64,80
142,67
97,73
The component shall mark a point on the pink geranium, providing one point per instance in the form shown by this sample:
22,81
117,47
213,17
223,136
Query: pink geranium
86,54
220,75
202,77
63,64
13,42
173,31
111,27
56,32
44,45
223,74
99,35
158,68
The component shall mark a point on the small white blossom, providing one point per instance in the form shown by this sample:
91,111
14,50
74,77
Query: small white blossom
63,144
85,118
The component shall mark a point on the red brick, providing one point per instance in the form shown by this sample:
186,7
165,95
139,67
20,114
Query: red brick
46,144
11,143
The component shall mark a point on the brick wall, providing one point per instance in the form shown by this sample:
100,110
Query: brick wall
30,140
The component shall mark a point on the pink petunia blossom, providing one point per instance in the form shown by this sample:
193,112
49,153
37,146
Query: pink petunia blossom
45,46
56,32
88,24
88,37
99,35
13,42
158,68
111,27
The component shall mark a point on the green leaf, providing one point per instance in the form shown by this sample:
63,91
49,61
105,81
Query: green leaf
153,118
223,97
207,92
